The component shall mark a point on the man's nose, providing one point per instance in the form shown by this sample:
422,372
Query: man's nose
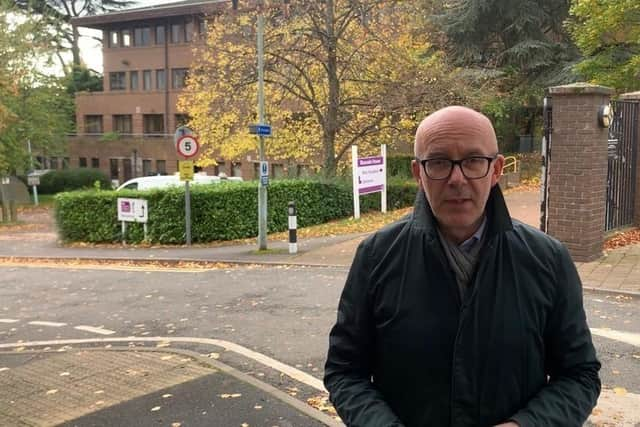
456,177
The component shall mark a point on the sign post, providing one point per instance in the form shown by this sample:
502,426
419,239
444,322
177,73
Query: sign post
369,176
132,210
187,146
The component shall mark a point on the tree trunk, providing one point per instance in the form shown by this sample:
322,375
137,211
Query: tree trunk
331,117
75,48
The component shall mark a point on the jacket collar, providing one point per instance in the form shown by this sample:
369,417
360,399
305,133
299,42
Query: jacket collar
498,218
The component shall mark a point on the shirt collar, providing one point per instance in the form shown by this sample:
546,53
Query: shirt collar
468,244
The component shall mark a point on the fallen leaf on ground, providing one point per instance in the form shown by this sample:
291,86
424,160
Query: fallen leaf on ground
53,391
155,408
620,391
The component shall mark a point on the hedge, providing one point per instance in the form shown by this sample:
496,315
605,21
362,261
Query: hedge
218,212
57,181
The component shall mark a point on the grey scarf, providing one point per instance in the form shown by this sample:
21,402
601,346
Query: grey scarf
462,262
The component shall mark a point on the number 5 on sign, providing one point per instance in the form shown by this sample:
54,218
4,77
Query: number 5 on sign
188,146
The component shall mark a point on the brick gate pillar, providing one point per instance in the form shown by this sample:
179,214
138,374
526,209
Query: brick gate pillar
635,96
578,169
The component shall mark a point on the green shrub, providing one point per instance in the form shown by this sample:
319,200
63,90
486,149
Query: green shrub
399,166
72,179
218,212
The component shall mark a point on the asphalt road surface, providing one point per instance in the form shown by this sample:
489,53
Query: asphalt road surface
270,322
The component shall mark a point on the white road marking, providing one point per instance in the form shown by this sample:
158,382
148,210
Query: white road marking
9,320
52,324
626,337
290,371
95,330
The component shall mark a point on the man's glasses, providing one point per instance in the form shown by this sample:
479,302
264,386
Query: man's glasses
474,167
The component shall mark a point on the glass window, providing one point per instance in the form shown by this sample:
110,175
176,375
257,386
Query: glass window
160,34
188,31
142,36
82,162
127,170
114,39
122,123
202,28
161,167
95,163
146,167
53,162
179,77
134,80
126,38
176,30
277,170
117,80
146,80
160,80
65,163
219,168
153,123
113,168
93,124
181,120
236,169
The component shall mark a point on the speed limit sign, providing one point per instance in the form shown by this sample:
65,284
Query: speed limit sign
188,146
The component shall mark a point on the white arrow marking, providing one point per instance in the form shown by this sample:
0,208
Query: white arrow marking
52,324
95,330
626,337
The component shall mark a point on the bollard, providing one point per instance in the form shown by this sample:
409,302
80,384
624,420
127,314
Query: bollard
293,225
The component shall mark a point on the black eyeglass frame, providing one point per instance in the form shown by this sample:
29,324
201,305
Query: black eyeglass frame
452,163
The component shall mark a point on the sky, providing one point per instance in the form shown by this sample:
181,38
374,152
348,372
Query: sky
91,49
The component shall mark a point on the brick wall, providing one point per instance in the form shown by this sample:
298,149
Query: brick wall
578,169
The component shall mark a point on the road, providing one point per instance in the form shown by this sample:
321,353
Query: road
273,321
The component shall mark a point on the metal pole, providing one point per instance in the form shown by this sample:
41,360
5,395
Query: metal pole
262,189
35,187
187,211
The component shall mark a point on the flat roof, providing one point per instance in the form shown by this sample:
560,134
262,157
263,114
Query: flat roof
185,7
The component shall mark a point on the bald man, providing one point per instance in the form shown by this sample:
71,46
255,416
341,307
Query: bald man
458,315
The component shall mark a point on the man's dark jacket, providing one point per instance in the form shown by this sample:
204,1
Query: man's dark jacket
406,350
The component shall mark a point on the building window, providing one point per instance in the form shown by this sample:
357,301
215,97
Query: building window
219,168
161,84
126,170
277,170
114,39
161,167
65,162
93,124
146,167
53,162
126,38
176,30
142,36
113,168
122,123
182,120
153,124
82,162
133,77
117,80
160,34
236,169
188,31
146,80
304,171
202,28
95,163
179,77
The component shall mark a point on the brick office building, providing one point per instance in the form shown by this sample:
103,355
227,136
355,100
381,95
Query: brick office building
127,129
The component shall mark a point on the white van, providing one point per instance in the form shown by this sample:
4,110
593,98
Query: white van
164,181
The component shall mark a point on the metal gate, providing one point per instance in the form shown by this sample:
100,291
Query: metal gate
621,172
546,153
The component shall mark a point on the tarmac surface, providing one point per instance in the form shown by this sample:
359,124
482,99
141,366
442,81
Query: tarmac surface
111,386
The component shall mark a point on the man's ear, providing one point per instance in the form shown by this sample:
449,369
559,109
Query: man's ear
415,170
496,171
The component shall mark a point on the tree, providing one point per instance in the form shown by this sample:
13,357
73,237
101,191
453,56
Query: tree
57,15
338,72
32,106
608,34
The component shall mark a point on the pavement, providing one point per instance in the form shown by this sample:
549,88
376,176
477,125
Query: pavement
42,386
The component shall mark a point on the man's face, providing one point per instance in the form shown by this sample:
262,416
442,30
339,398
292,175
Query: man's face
457,202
